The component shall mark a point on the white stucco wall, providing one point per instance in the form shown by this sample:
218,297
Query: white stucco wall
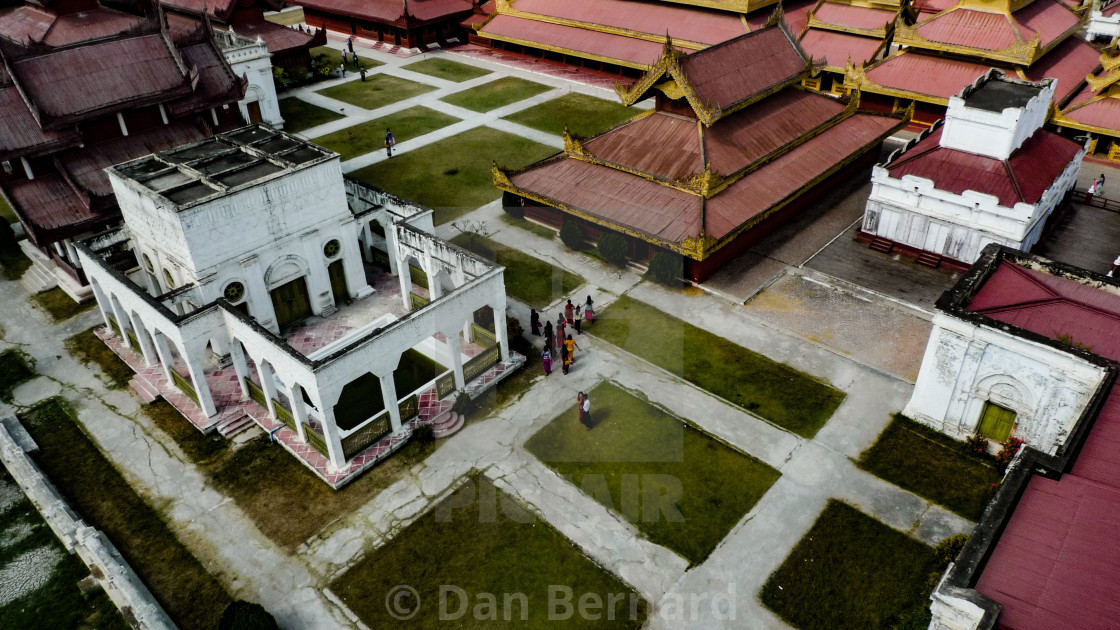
1099,25
966,365
994,134
251,59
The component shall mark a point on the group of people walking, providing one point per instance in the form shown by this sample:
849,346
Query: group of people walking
558,341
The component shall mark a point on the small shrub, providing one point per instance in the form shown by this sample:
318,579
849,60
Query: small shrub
424,434
280,76
947,550
976,445
1007,453
571,234
513,327
243,615
612,247
322,65
666,268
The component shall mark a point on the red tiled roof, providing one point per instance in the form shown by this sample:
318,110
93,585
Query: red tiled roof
934,6
967,27
837,48
795,13
391,11
435,9
739,69
1030,170
640,145
681,22
1111,9
854,16
100,77
1103,112
24,23
1048,18
20,134
77,27
1070,62
216,82
216,8
788,175
279,38
926,74
638,52
47,203
1057,562
86,167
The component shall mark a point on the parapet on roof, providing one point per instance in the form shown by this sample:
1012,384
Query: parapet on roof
994,92
221,164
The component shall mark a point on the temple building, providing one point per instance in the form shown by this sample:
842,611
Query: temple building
409,24
250,283
947,45
1095,109
1025,347
845,33
990,174
74,107
733,147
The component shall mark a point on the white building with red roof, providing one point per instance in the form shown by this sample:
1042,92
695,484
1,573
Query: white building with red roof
990,174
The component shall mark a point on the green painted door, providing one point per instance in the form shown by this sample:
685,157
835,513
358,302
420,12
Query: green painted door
996,422
291,302
338,282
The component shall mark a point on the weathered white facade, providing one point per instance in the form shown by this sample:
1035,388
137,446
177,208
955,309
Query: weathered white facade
250,58
913,211
1104,24
219,235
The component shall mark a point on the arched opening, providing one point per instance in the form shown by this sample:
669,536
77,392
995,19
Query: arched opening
287,282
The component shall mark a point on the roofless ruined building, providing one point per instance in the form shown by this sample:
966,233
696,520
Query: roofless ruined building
734,147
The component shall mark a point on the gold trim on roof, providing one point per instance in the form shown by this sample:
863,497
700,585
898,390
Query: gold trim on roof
1021,52
504,7
1098,82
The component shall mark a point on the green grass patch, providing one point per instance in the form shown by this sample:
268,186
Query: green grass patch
533,228
196,445
60,306
376,91
100,494
14,261
336,57
585,116
528,279
57,603
482,541
683,489
495,94
288,502
13,371
89,349
299,115
776,392
931,465
287,18
850,571
370,136
446,69
453,176
6,212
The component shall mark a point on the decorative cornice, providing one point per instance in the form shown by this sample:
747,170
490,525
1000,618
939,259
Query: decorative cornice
1020,52
573,145
501,180
706,183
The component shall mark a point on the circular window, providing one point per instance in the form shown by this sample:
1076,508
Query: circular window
148,263
234,292
331,249
168,278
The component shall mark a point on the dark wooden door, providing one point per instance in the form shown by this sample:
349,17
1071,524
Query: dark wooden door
254,112
291,302
338,281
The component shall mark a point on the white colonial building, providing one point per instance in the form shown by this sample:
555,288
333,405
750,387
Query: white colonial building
985,371
989,174
250,282
250,58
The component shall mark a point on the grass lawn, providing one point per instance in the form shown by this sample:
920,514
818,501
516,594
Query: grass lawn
60,306
100,494
585,116
534,228
636,450
31,551
931,465
378,90
14,261
453,176
196,445
446,69
528,279
299,115
849,571
13,371
495,94
370,136
776,392
336,58
482,541
6,211
286,501
287,18
88,348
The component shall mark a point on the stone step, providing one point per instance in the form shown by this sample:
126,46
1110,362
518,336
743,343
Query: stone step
36,280
145,390
445,430
881,245
931,260
444,419
235,425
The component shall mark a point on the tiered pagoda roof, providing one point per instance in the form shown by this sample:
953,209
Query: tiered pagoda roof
403,13
1096,107
246,18
854,32
732,140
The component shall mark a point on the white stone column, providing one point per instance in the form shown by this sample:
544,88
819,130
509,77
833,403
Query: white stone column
405,277
146,349
500,327
99,297
468,330
435,291
389,395
456,358
366,240
165,356
318,280
391,247
264,372
122,322
240,366
333,440
72,253
299,408
201,387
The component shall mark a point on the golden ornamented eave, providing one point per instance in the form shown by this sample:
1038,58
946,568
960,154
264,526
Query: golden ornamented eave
1109,61
879,32
705,183
504,7
1022,52
699,247
1099,82
855,78
501,179
669,60
1060,120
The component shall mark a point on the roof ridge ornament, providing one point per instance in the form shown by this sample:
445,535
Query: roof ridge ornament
573,145
500,177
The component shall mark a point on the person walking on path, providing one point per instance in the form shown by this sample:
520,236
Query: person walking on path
362,73
571,346
548,341
390,142
568,309
546,360
350,45
565,359
535,322
584,402
588,310
561,325
1100,185
577,320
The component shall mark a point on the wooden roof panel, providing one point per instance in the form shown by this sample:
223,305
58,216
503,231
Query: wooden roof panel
680,22
741,68
645,144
